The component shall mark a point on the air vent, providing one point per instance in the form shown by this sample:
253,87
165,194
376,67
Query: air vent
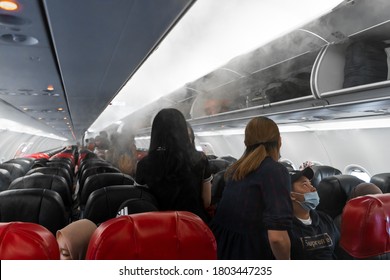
19,39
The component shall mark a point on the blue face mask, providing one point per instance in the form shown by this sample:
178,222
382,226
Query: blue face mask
311,201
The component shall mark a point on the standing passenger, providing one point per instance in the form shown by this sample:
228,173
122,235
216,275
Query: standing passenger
177,175
255,213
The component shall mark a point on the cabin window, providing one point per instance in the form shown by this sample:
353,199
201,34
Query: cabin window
358,171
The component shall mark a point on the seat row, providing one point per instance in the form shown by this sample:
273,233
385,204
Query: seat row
174,235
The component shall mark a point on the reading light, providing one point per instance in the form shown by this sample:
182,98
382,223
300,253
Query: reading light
9,5
50,87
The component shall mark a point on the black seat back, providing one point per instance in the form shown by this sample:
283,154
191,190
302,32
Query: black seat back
14,169
40,206
382,180
59,171
45,181
98,181
95,170
334,192
104,203
321,172
5,179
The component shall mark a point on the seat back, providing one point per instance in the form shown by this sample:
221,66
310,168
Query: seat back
170,235
334,192
45,181
365,230
217,187
27,241
103,204
26,163
40,206
95,170
60,171
98,181
14,169
5,179
382,180
135,206
218,164
321,172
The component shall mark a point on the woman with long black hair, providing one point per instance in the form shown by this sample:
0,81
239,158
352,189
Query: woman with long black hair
177,175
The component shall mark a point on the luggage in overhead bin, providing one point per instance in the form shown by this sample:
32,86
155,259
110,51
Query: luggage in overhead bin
293,87
365,63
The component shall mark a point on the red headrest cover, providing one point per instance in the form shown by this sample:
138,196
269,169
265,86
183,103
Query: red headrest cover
365,227
27,241
170,235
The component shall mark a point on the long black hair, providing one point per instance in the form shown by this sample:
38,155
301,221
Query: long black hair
170,144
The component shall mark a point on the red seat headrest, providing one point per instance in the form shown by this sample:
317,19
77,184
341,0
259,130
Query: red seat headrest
365,228
170,235
27,241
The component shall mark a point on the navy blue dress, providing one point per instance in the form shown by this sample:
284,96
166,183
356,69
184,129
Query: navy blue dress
249,208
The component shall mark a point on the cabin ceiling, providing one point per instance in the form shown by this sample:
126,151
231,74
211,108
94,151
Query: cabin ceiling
64,61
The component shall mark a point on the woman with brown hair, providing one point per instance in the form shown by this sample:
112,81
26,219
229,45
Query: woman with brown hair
255,212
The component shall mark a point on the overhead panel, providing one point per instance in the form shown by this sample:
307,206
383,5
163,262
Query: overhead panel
101,44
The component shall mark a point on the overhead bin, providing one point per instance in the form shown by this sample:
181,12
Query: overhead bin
276,72
330,78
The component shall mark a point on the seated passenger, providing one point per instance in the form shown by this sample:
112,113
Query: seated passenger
177,175
255,212
313,236
364,189
73,239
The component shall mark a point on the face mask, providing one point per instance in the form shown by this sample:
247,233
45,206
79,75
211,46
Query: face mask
311,201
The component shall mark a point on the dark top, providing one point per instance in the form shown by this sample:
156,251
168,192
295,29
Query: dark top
316,241
250,207
181,191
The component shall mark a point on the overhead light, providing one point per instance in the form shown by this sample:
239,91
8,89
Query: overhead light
9,5
60,109
50,87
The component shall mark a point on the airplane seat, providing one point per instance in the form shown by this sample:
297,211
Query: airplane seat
45,181
135,206
26,163
95,170
14,169
103,204
321,172
27,241
287,165
92,163
334,192
98,181
229,158
40,206
217,187
218,164
59,171
5,179
365,230
166,235
382,180
63,164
